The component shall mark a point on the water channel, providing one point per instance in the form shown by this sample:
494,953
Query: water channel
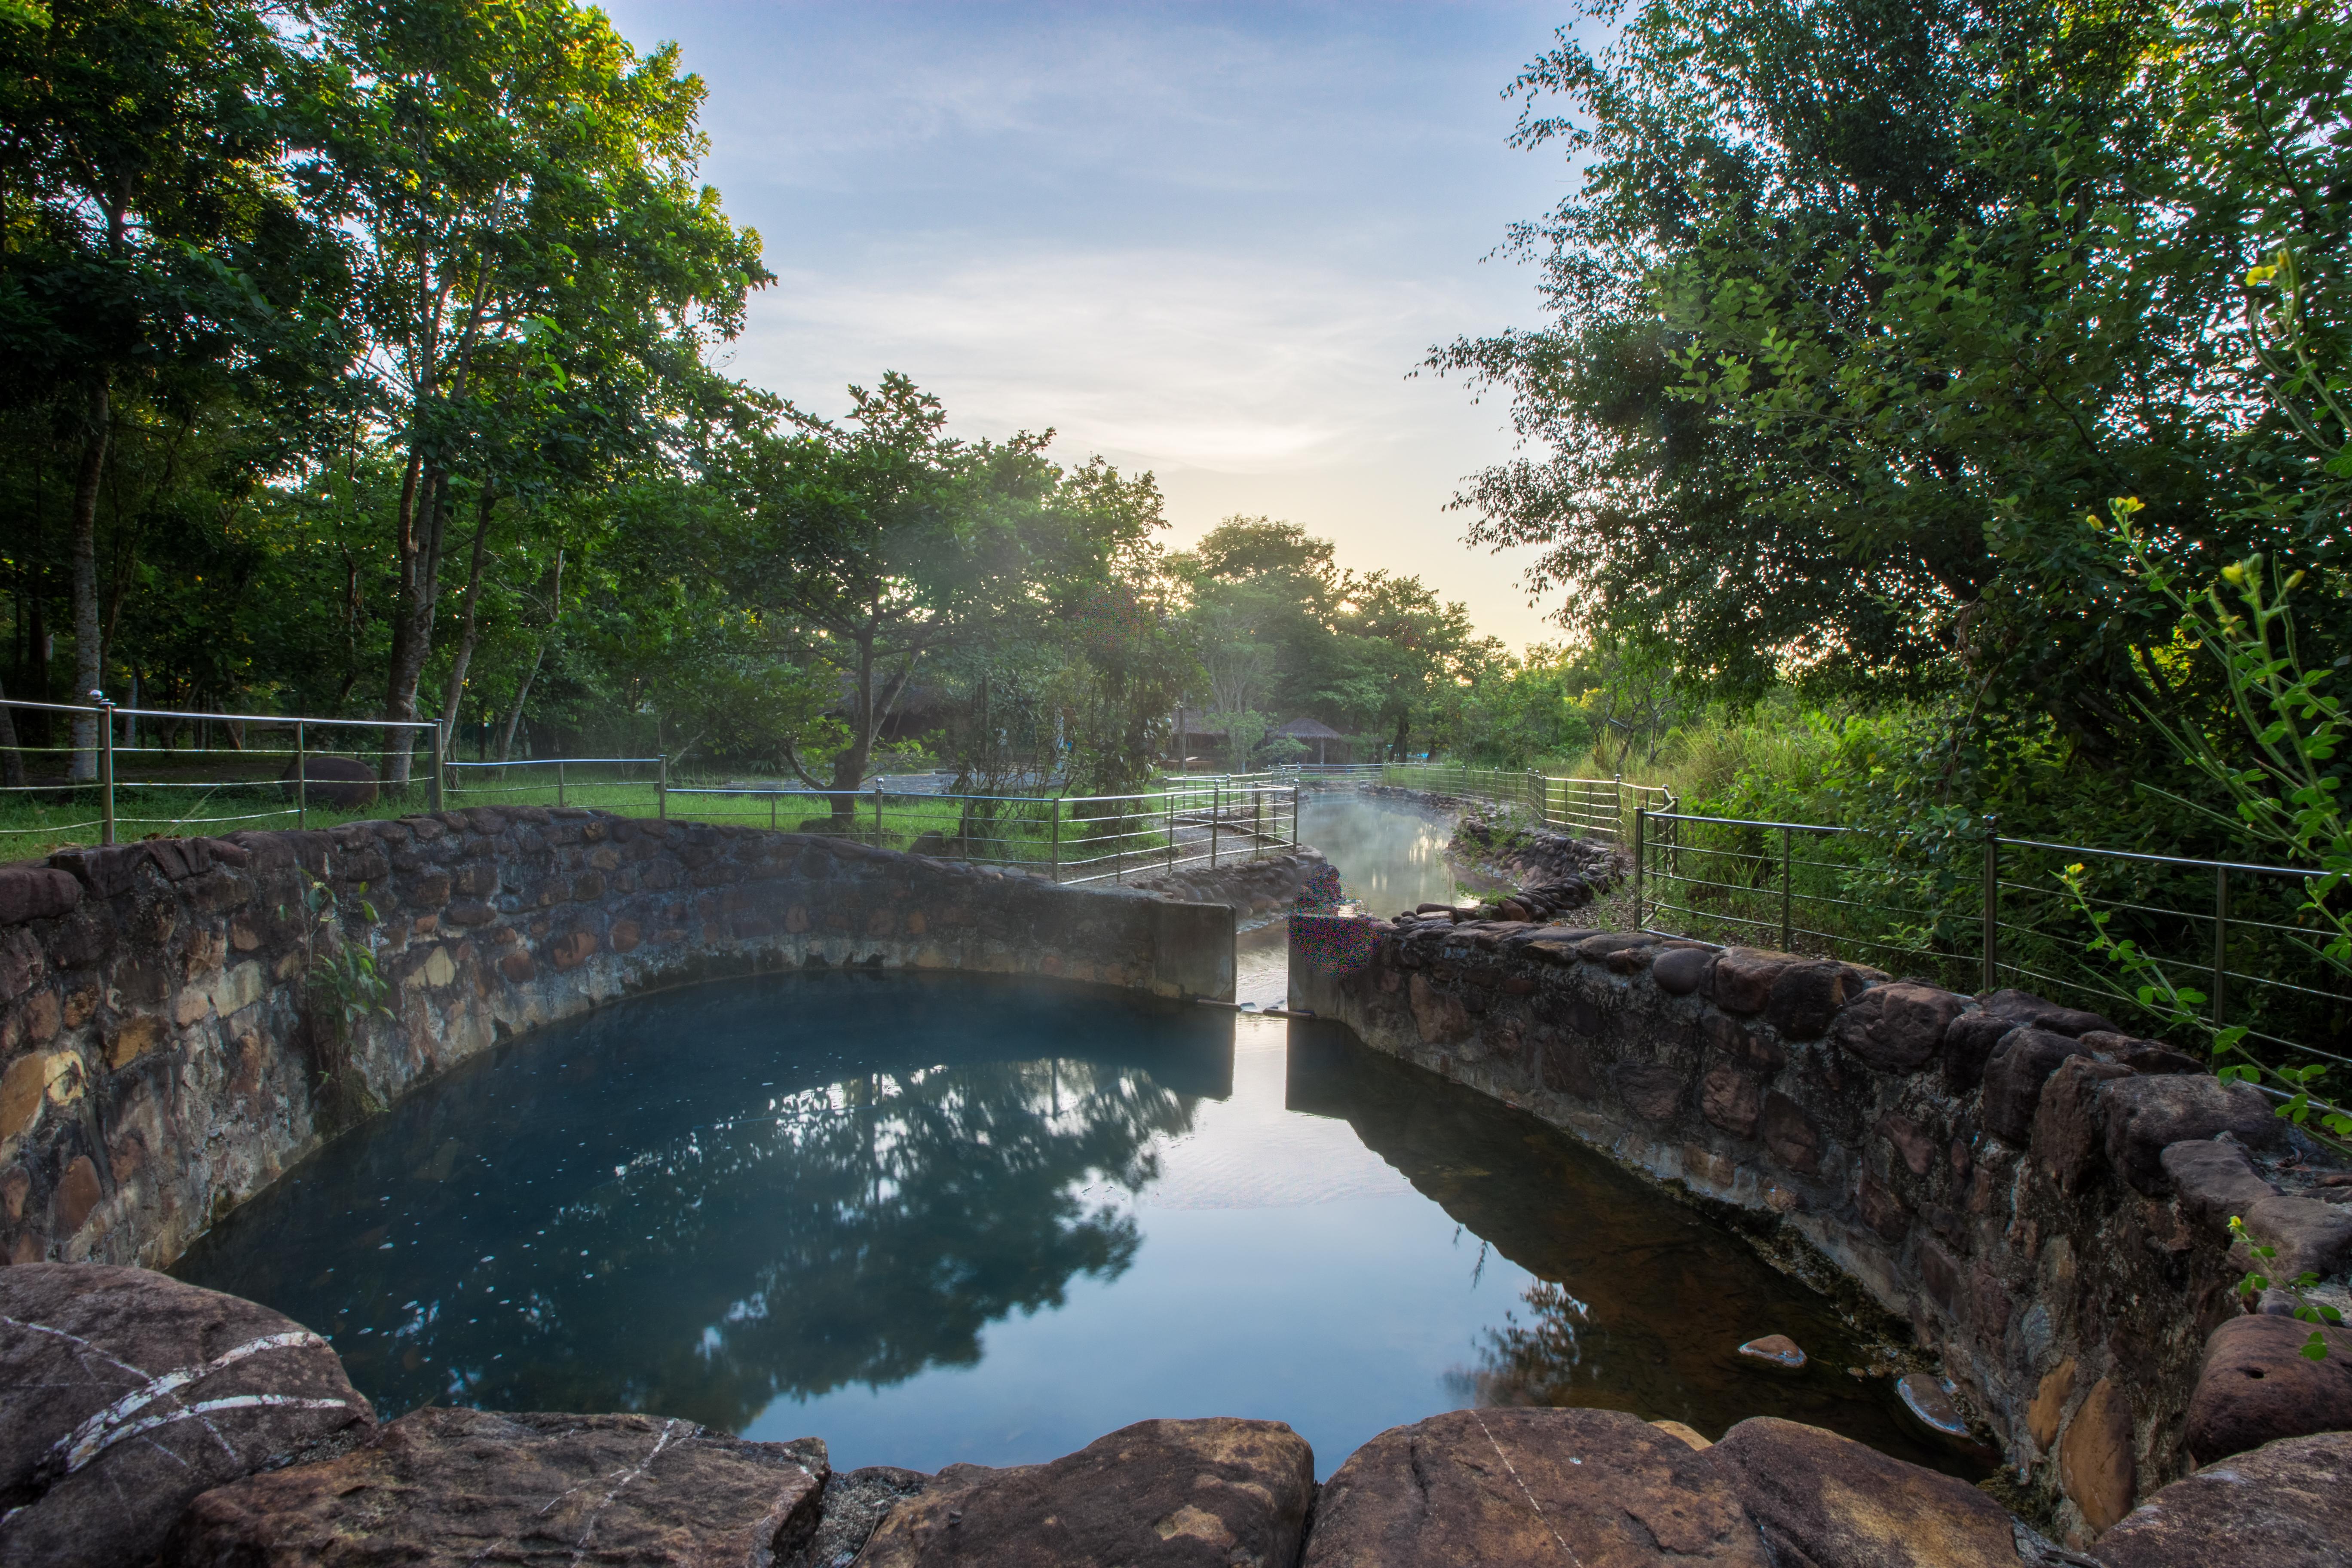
943,1218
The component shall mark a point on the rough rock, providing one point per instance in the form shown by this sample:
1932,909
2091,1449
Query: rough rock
2013,1078
2216,1181
2141,1056
1684,1433
1825,1500
1895,1028
1806,998
2256,1386
2040,1013
1683,969
1178,1493
1601,1488
123,1393
1777,1352
2067,1137
2286,1505
2095,1464
1968,1043
855,1504
2146,1115
1743,978
449,1488
2310,1237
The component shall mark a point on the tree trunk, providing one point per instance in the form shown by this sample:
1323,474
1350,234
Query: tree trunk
522,693
412,620
12,761
470,629
90,663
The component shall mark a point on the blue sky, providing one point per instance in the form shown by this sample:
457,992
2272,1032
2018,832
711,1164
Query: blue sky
1208,240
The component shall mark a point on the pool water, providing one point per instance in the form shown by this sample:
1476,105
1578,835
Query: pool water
941,1218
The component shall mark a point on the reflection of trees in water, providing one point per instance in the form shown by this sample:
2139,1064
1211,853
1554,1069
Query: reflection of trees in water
1541,1361
599,1246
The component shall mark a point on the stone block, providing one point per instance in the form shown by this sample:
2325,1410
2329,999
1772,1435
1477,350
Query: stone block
1159,1494
1807,997
1732,1100
2140,1055
2255,1386
2310,1237
571,950
2013,1078
1895,1028
1881,1210
32,1082
1531,1486
35,892
1743,978
2285,1505
1969,1041
1790,1135
1438,1015
2095,1463
2216,1181
1682,970
1653,1093
1818,1498
125,1393
2068,1138
2145,1115
133,1037
453,1489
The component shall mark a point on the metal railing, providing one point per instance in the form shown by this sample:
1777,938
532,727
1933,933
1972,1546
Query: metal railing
623,783
1071,839
1996,911
1584,807
205,778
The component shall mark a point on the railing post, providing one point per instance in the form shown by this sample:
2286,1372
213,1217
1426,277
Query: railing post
1053,816
1294,818
1216,815
302,778
2220,943
878,813
438,783
1992,903
1641,819
661,792
106,766
559,781
1617,805
1169,812
1787,865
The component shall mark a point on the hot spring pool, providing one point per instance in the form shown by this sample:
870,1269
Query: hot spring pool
955,1219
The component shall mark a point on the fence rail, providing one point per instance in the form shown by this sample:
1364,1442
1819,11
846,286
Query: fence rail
1600,808
211,787
1998,912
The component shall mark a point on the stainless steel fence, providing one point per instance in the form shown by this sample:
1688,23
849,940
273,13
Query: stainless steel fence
1981,913
180,787
1073,839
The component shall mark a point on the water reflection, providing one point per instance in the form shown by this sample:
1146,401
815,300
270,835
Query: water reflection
1390,854
574,1229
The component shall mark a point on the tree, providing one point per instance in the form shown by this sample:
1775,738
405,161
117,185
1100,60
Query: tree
537,268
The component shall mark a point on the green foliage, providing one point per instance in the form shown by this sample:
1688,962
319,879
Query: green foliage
2307,1311
343,992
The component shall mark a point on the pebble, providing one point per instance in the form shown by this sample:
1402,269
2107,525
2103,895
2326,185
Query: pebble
1777,1352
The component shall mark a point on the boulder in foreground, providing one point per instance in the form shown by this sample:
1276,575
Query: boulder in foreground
124,1393
2286,1505
1159,1494
456,1488
1825,1500
1601,1488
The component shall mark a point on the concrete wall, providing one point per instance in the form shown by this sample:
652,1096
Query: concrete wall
163,1055
2045,1201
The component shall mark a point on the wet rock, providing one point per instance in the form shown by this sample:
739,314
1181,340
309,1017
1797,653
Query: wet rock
2013,1078
1825,1500
2310,1237
2286,1505
2216,1181
1927,1401
449,1488
2256,1386
1897,1027
1499,1487
1778,1352
1160,1492
124,1393
1683,969
1743,978
2095,1465
2145,1115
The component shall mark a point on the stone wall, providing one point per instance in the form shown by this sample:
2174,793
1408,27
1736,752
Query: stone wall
2044,1199
163,1055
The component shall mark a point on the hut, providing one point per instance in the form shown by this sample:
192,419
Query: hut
1313,731
1188,727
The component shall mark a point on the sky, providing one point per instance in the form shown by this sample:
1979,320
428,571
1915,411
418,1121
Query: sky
1213,241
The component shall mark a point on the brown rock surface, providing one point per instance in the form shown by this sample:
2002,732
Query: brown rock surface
1683,969
1828,1501
2286,1505
1743,977
2216,1181
123,1393
2145,1115
2309,1236
1897,1027
2095,1456
1177,1493
1601,1488
2013,1078
2256,1385
458,1488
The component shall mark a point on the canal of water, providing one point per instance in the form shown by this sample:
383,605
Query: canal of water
943,1218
